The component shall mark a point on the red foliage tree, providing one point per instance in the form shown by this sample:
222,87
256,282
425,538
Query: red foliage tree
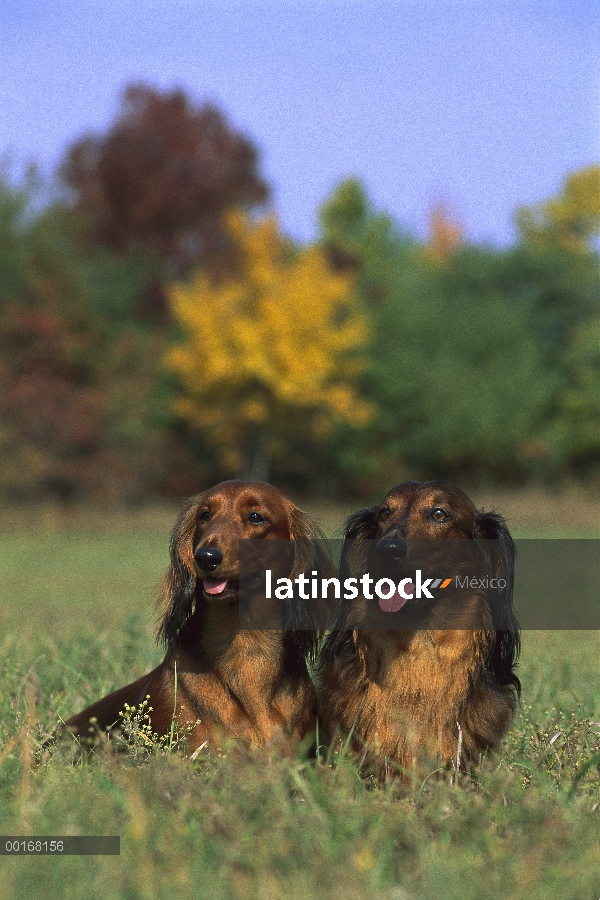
162,177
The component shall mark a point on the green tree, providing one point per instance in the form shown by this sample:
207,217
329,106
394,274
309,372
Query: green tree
570,220
462,370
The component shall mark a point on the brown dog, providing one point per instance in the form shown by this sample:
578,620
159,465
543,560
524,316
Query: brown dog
432,686
224,681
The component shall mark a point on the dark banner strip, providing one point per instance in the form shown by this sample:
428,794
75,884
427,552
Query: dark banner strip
422,584
23,845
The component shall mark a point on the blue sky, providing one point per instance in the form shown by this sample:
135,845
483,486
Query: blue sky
484,105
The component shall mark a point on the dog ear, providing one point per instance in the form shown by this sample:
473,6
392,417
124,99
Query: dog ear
361,524
308,619
358,527
178,589
501,555
310,544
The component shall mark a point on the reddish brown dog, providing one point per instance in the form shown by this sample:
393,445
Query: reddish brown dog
253,685
434,687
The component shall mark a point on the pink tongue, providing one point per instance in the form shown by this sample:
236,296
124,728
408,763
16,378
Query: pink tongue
395,602
212,586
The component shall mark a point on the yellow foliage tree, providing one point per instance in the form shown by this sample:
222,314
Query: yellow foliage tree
445,233
269,354
571,220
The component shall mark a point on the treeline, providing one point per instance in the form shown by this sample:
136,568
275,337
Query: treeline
159,333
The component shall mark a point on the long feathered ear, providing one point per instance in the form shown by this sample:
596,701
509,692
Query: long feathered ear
504,655
178,589
306,620
357,527
310,549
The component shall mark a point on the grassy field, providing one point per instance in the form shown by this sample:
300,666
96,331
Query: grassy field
77,620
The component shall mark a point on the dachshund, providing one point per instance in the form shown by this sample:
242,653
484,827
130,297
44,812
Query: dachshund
442,682
250,684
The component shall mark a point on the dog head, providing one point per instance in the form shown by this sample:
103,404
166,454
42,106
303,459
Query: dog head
205,558
388,541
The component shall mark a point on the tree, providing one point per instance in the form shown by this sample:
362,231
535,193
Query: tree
456,370
269,355
162,176
446,234
575,430
82,402
571,220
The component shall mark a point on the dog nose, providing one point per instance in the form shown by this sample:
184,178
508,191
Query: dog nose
390,550
208,558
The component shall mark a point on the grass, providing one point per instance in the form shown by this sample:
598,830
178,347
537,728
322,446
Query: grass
77,621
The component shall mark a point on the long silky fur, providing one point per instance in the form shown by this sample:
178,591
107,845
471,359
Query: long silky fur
176,598
358,527
505,651
227,684
339,650
304,619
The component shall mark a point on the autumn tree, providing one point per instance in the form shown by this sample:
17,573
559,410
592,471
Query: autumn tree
446,234
83,412
162,176
270,355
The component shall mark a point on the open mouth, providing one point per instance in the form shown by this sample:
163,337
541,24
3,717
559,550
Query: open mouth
403,597
221,588
394,602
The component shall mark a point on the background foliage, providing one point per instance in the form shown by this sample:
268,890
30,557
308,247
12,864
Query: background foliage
271,357
157,334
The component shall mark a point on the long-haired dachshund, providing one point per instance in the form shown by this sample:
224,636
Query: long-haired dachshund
225,681
439,681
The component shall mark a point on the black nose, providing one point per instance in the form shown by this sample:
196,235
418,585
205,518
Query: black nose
208,558
391,550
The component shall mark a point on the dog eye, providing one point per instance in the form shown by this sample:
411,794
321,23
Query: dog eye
439,514
256,518
385,513
204,516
